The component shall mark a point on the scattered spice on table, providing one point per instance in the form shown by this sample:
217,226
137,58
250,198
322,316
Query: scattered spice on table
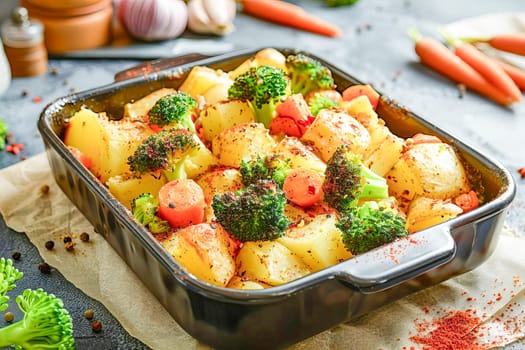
69,246
96,326
25,92
15,148
44,268
521,171
44,189
9,316
84,237
453,331
89,313
37,99
50,245
16,256
462,89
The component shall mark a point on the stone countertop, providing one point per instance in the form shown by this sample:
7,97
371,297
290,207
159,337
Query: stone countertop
374,48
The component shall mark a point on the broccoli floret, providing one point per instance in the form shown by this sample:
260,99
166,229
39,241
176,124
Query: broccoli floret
46,323
264,87
337,3
166,151
8,276
347,180
366,227
176,108
264,168
144,209
253,213
308,74
3,134
320,101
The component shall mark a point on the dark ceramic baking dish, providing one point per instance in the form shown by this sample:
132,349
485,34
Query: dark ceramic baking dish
278,316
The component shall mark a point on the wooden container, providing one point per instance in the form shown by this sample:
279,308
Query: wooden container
71,25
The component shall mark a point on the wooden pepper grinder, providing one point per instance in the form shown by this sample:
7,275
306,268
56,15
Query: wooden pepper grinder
24,47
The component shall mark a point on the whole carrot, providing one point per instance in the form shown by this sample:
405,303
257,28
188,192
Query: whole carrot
509,42
515,73
291,15
438,57
485,66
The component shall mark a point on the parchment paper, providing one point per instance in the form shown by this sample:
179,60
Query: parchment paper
496,289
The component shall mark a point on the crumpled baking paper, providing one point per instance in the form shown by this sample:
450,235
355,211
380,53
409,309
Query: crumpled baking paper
496,289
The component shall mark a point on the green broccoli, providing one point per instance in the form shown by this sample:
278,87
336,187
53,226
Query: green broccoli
320,101
176,108
308,74
144,209
8,276
3,134
166,151
337,3
46,323
253,213
264,87
366,227
347,180
264,168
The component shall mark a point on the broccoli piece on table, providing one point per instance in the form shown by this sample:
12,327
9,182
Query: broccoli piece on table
145,208
8,276
3,134
176,108
308,74
337,3
264,168
320,101
46,323
264,87
366,227
347,180
166,152
253,213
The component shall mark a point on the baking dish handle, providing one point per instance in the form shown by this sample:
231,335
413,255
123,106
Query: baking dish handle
157,65
399,261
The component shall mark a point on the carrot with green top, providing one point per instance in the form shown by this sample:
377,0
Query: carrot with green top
485,66
508,42
437,56
291,15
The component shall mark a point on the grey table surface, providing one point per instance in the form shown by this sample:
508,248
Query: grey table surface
374,48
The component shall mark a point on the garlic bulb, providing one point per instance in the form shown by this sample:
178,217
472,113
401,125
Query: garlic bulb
211,16
153,20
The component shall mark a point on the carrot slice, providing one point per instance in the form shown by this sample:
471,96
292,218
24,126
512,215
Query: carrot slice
438,57
291,15
467,201
181,203
509,42
83,158
303,187
354,91
488,69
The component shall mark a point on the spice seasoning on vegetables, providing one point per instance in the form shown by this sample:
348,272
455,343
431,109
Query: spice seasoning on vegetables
453,331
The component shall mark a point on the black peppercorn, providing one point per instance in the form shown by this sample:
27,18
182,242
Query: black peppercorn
16,255
67,239
50,245
84,236
44,268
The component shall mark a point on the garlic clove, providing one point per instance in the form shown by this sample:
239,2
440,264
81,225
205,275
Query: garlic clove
211,16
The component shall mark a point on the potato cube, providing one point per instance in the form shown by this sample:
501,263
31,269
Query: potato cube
224,115
106,142
425,212
384,150
205,251
200,79
126,187
331,128
299,154
269,262
242,141
264,57
318,243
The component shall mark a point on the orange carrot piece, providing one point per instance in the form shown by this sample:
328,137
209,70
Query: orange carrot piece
438,57
354,91
488,69
83,158
509,42
467,201
291,15
515,73
303,187
181,203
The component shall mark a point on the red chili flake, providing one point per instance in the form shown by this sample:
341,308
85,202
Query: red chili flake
522,172
37,99
311,189
15,148
453,331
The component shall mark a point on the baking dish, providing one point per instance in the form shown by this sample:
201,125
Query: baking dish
279,316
